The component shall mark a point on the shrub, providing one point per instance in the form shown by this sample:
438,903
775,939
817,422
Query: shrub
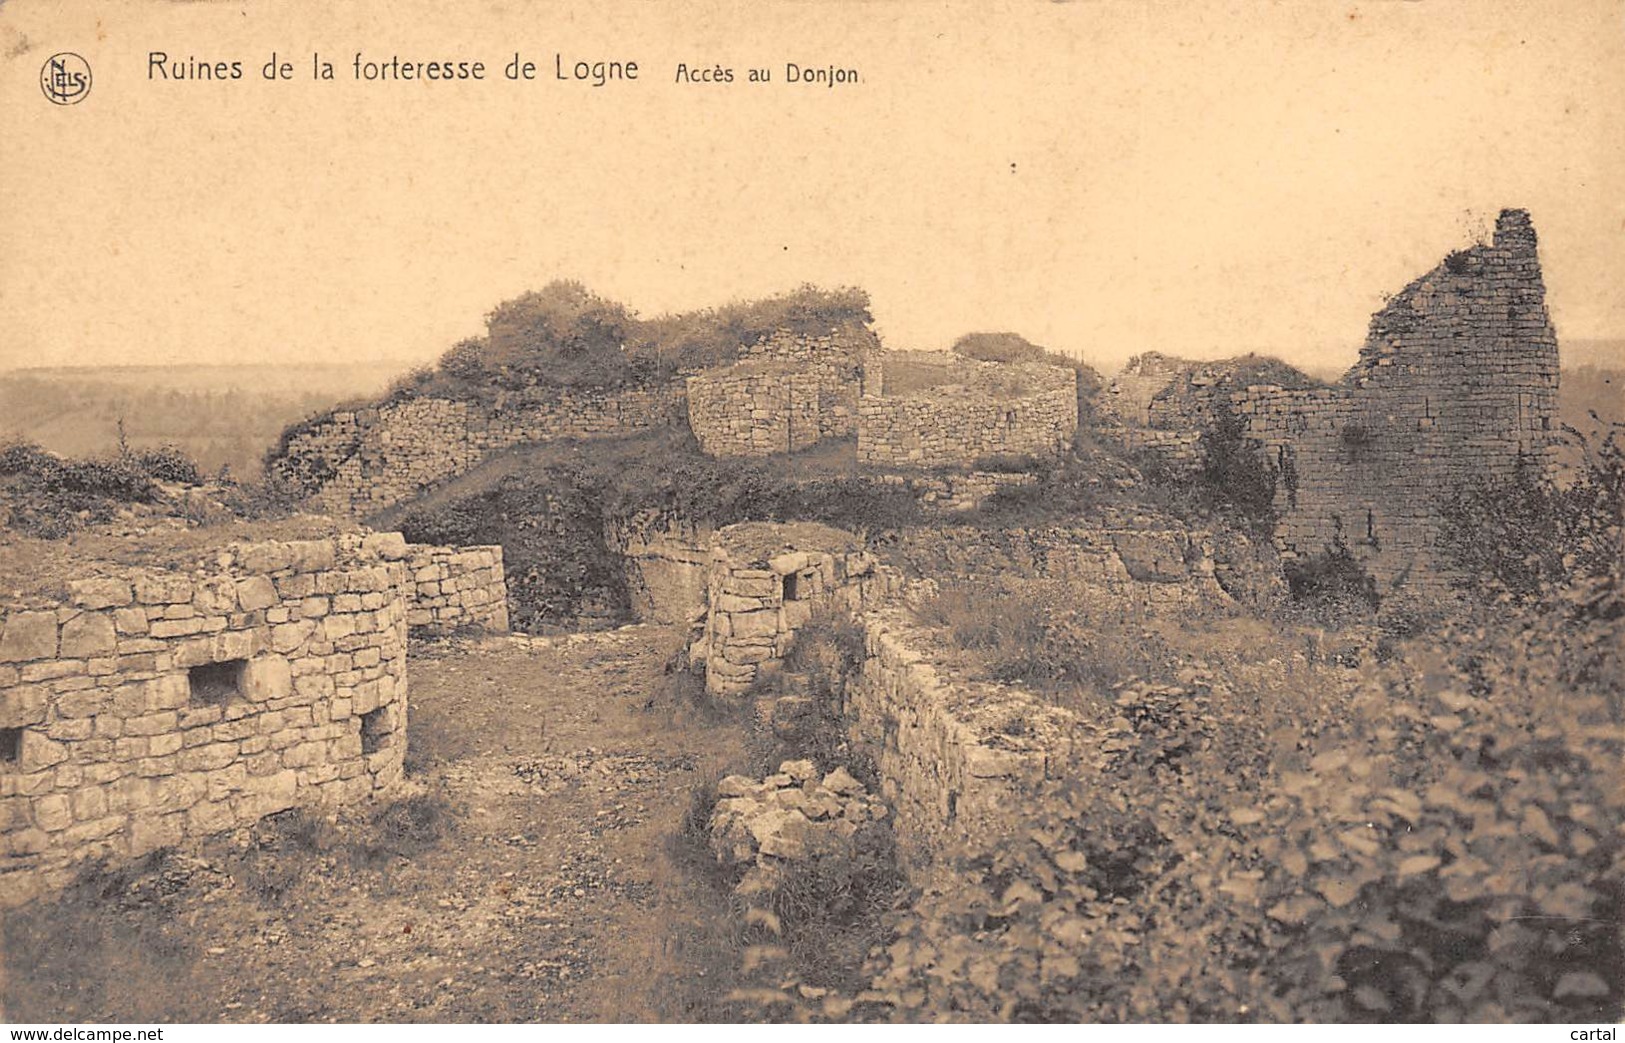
1332,584
1235,478
562,334
1040,634
169,464
1525,536
466,360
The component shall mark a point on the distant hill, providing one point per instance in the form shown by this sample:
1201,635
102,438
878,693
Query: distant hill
217,414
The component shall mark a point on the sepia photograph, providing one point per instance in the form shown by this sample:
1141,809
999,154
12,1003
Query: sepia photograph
865,512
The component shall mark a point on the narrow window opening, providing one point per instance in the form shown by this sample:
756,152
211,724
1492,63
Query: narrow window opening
792,587
214,684
11,745
374,730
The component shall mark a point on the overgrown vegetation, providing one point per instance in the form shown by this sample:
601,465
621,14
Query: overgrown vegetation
1525,536
1443,846
564,335
50,497
1332,586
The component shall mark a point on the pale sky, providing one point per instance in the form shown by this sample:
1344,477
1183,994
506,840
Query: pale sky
1104,178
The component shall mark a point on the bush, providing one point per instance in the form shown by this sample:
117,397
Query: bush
1040,634
1525,536
1235,479
562,334
52,497
168,464
1333,585
714,336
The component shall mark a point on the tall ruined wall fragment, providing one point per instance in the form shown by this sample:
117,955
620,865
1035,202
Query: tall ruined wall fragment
1456,382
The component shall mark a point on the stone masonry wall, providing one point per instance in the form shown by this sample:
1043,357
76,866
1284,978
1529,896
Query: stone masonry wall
754,409
667,562
991,409
456,588
360,461
837,361
764,582
1457,381
1139,562
147,706
788,391
956,758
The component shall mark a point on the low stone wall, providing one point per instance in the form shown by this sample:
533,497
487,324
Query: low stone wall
988,409
360,461
456,588
1146,563
147,706
956,758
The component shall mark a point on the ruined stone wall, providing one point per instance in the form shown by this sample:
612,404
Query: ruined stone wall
989,409
1146,563
1457,382
836,359
360,461
456,588
957,493
786,393
956,758
1128,396
667,564
763,584
754,409
147,706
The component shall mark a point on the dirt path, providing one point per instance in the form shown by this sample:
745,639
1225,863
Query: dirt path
529,880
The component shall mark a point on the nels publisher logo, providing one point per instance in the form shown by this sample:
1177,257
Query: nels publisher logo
65,78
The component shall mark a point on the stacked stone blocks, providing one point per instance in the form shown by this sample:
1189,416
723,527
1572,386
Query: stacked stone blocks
972,417
361,461
149,706
456,588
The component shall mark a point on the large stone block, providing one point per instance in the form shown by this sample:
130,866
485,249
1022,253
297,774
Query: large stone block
28,636
99,592
23,706
267,678
256,592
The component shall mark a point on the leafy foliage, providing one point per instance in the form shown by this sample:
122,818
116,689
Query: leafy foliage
1235,478
50,497
565,335
1525,535
1333,585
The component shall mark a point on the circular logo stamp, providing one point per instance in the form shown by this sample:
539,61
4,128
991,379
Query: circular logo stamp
65,78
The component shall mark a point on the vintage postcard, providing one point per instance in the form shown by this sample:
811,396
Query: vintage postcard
786,512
